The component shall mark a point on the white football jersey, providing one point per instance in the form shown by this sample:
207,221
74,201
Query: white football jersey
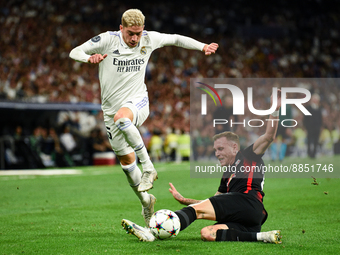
122,72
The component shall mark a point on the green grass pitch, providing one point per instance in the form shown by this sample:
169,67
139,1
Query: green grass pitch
81,214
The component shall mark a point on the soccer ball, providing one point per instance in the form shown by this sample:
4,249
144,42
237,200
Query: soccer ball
164,224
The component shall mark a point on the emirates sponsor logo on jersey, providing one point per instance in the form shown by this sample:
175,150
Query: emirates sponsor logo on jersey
127,62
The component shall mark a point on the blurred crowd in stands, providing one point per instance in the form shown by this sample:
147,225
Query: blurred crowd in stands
279,40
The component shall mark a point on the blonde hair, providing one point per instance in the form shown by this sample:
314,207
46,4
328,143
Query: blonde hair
133,17
230,137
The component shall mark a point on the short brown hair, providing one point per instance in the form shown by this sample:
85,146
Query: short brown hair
133,17
230,137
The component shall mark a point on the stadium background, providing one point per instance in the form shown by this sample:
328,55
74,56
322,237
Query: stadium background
290,39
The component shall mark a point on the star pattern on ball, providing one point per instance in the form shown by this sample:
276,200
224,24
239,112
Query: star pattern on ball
159,226
170,216
173,232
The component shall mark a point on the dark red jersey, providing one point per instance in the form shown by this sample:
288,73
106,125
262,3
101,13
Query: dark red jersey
245,175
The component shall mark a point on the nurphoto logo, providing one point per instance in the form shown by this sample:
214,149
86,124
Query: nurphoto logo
239,108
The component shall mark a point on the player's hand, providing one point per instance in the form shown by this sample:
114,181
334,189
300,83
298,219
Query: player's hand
278,100
175,193
210,48
96,58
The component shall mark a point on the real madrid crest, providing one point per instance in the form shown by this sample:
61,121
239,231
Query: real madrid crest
143,50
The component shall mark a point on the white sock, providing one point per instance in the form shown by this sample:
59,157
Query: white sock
134,176
135,140
259,236
144,196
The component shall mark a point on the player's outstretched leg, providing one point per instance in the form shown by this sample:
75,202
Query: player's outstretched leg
143,234
148,210
135,140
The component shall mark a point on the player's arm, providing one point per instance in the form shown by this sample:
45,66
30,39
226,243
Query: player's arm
180,198
89,52
80,55
183,41
189,43
183,200
264,141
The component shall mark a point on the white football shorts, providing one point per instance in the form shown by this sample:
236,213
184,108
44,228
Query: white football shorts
140,109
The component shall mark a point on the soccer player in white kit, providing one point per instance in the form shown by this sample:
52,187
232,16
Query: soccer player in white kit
122,57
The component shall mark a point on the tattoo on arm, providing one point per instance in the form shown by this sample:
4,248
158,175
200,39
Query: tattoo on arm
212,232
189,201
179,197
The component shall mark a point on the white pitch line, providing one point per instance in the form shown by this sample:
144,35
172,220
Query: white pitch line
41,172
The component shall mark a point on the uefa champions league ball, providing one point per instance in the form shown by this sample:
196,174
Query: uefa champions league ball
164,224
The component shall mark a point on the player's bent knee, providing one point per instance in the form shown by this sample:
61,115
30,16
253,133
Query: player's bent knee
123,113
127,159
207,235
119,116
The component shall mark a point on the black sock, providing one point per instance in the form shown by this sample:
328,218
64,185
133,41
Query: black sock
234,235
187,215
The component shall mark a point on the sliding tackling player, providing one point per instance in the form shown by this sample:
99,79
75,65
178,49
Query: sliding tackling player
237,206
